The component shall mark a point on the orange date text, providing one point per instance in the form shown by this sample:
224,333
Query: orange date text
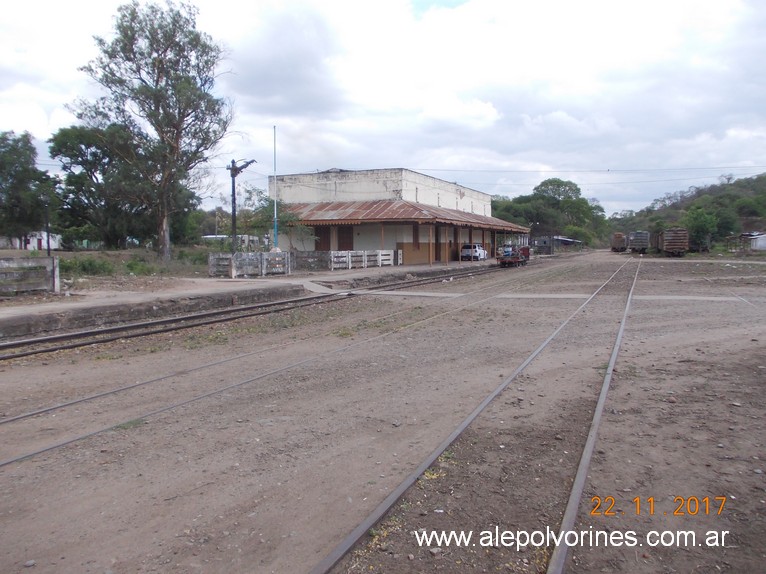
647,506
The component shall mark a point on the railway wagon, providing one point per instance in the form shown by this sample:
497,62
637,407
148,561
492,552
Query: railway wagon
512,256
619,242
638,241
673,242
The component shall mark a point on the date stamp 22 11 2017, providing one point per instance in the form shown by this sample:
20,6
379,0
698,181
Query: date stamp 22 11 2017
647,506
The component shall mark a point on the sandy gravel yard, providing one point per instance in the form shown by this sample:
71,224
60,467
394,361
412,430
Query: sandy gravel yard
257,446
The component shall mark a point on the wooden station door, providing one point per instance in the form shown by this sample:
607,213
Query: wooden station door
345,238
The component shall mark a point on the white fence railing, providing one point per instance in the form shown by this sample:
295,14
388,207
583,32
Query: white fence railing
283,263
362,259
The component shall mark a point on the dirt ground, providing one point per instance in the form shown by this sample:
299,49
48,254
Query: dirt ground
328,409
683,423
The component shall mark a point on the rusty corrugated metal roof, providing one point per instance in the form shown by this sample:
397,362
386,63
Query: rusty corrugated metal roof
397,211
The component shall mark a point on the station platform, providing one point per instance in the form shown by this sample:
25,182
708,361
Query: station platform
84,309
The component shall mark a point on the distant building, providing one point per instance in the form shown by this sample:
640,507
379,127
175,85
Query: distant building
35,241
753,241
425,218
548,245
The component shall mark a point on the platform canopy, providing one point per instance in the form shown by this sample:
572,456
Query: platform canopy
394,212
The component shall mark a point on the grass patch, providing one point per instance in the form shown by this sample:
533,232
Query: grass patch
383,530
602,368
79,266
189,262
252,330
198,341
108,357
158,348
431,474
131,424
343,333
138,265
288,320
193,257
447,455
378,325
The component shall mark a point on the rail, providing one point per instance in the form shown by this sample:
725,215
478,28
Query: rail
100,335
347,544
157,410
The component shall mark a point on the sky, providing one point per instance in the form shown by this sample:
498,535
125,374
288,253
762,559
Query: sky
629,100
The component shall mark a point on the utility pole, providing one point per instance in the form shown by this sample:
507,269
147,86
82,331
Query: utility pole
48,225
235,171
276,231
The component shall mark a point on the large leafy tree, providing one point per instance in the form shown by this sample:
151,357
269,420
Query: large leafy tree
24,190
102,193
159,74
557,189
565,197
555,206
531,211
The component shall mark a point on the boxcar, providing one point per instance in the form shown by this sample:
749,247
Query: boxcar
638,241
673,242
619,242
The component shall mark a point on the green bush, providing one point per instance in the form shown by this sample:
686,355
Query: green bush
193,258
138,266
85,266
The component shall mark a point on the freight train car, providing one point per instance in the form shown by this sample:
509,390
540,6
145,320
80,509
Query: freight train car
673,242
619,242
638,241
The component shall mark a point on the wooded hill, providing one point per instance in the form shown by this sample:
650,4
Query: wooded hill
710,213
715,212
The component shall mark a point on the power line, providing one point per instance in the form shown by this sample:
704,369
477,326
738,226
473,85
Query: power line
608,170
613,182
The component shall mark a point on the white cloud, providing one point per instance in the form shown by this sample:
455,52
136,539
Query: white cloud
552,88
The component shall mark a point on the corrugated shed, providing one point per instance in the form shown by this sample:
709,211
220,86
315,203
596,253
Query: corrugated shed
400,211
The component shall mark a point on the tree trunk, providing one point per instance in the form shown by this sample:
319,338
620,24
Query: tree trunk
164,238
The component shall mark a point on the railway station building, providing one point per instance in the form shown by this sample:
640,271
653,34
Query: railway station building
424,219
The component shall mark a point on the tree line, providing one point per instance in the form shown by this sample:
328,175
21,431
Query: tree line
711,213
129,167
555,207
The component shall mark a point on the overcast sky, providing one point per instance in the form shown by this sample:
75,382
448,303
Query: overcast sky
630,100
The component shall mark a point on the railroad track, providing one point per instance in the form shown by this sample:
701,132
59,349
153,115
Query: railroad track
557,562
192,381
21,348
195,387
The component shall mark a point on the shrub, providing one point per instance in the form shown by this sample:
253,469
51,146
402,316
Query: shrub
85,266
139,266
193,258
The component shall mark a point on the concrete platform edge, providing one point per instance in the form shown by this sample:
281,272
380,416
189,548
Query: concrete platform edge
35,323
